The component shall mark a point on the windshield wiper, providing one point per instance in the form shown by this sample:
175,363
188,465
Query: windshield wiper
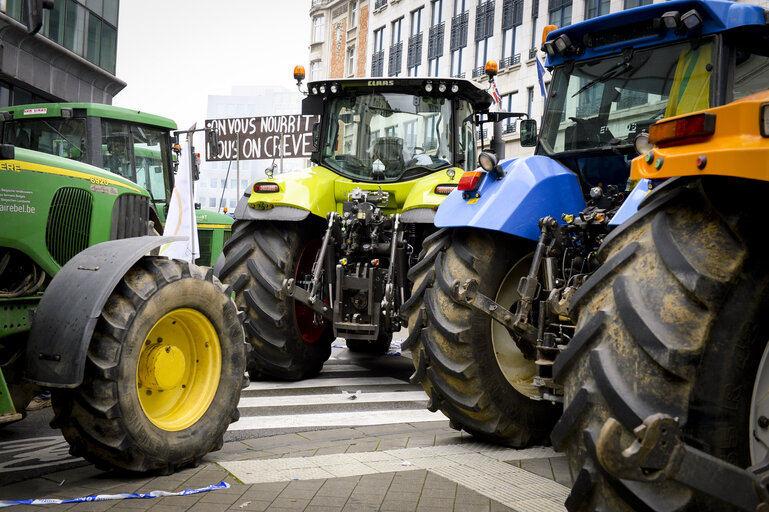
49,125
610,73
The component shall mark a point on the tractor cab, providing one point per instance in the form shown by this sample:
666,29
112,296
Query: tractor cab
129,143
394,130
612,79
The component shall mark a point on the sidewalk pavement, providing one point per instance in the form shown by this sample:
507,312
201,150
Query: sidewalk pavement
420,467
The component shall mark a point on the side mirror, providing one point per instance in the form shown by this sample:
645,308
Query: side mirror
312,106
212,140
316,135
528,131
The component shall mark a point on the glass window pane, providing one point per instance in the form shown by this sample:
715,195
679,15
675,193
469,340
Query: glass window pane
54,22
94,39
115,148
151,159
110,11
74,28
95,5
108,48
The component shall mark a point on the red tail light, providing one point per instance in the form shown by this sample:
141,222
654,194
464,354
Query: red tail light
683,130
470,180
445,189
266,187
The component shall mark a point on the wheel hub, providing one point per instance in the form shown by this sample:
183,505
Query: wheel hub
178,369
759,412
162,367
518,370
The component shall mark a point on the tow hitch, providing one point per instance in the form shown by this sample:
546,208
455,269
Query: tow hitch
659,453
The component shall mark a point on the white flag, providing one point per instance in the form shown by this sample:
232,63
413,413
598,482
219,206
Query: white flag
181,216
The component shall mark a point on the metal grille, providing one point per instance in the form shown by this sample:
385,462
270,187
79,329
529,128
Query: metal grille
130,216
415,51
69,223
459,31
396,56
205,238
484,20
377,63
435,41
512,13
510,61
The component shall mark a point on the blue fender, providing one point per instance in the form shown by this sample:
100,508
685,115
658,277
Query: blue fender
630,205
533,187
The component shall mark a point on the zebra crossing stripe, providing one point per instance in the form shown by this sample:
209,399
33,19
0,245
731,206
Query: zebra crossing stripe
338,398
325,383
336,419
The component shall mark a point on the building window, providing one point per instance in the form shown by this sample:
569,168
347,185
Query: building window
415,43
379,3
435,38
458,41
377,58
630,4
595,8
560,12
396,48
534,35
529,100
484,31
212,202
353,16
315,70
512,18
351,61
318,27
510,104
213,182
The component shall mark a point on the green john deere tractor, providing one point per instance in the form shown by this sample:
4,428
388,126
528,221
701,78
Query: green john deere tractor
130,143
323,252
144,354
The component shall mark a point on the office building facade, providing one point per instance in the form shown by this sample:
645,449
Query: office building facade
72,57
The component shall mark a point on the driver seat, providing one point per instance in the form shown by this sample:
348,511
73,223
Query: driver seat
389,151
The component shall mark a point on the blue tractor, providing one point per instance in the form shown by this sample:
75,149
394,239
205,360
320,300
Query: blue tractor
496,294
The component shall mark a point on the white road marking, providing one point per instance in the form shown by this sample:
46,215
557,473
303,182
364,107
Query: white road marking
337,398
325,383
336,419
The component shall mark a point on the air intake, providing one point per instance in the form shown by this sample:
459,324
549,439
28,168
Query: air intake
69,223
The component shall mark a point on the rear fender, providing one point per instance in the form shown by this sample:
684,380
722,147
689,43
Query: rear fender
533,187
63,323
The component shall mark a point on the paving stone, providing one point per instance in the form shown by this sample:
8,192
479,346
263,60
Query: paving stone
561,471
209,507
330,501
288,504
435,504
249,505
334,434
539,467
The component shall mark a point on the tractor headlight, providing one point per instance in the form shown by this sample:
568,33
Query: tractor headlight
764,119
487,161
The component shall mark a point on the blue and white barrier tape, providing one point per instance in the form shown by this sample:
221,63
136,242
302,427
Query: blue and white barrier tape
106,497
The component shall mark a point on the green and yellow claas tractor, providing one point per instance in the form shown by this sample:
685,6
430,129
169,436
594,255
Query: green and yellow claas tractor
144,355
323,252
131,143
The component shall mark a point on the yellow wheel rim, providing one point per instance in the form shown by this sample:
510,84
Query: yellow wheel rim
179,368
518,370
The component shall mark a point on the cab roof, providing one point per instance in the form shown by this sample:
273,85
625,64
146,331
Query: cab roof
466,89
38,110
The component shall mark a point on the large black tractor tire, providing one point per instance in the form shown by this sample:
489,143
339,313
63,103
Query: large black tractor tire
674,322
260,255
163,372
453,346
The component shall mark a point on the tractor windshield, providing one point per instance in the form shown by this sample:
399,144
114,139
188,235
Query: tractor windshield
55,136
388,137
605,103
